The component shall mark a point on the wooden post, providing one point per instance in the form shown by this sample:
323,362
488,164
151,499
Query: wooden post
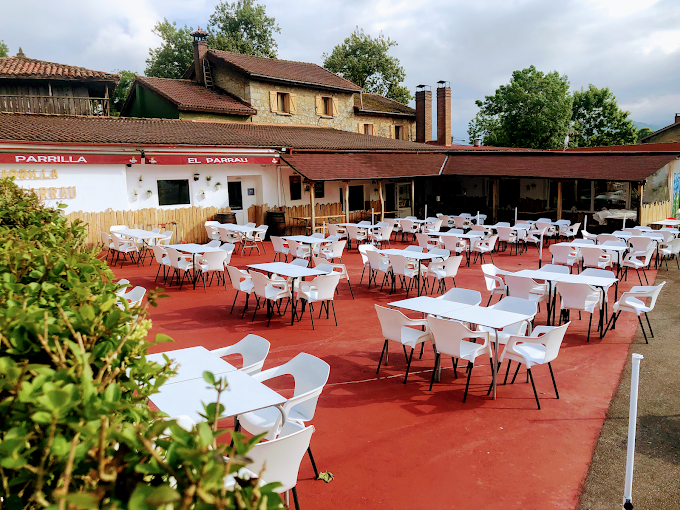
346,201
413,197
494,198
639,207
559,200
382,201
312,203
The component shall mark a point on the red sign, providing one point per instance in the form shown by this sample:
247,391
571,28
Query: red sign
71,159
212,160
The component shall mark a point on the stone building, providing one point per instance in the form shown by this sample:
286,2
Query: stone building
665,135
222,85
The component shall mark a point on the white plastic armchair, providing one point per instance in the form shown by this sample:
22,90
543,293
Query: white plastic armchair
357,234
339,269
253,350
637,261
310,375
579,296
124,286
334,250
409,227
526,288
468,296
441,271
564,255
211,229
493,277
320,289
516,305
633,301
241,281
135,296
596,257
670,249
541,347
396,327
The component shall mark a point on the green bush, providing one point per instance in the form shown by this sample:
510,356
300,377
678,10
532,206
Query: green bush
76,430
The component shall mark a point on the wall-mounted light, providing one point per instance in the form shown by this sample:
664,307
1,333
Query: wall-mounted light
196,176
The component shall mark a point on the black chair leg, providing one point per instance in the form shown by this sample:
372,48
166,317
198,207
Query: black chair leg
382,353
295,498
311,459
553,380
534,387
467,384
516,372
507,371
408,367
434,372
643,330
650,326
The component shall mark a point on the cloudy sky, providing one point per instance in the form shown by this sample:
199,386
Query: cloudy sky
630,46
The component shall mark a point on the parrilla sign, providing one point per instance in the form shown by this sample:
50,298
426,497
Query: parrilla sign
77,159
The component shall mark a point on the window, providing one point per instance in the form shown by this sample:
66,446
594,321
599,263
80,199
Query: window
318,189
295,187
356,198
368,129
173,192
326,106
235,195
398,132
283,103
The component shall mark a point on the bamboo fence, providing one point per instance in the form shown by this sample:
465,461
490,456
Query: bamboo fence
656,211
187,223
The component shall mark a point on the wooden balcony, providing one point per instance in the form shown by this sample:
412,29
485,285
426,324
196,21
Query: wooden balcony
55,105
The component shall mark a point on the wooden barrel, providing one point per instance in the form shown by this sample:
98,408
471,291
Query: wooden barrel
227,217
277,223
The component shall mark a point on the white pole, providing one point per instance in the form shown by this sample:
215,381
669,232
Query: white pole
477,217
515,215
540,250
624,221
324,228
632,422
372,216
585,223
425,212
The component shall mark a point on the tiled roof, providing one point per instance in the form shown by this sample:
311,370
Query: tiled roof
21,67
640,147
327,167
132,131
188,95
378,103
625,166
282,70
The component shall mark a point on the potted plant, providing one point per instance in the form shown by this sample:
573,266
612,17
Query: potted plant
218,185
201,192
140,178
149,193
134,194
208,178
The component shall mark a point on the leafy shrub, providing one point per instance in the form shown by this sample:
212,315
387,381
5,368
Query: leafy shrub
76,429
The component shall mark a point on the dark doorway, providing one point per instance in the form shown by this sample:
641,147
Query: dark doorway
235,195
356,198
390,192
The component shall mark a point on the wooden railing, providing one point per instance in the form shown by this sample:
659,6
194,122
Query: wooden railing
186,223
656,211
55,105
258,214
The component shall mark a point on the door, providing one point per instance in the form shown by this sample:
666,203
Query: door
356,198
389,197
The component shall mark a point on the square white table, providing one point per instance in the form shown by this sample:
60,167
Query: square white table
414,255
428,305
194,249
491,318
139,234
233,227
193,361
547,276
666,222
291,271
243,394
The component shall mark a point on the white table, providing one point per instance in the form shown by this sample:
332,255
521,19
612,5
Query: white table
243,394
291,271
491,318
622,235
428,305
310,240
233,227
194,249
673,223
193,361
414,255
140,235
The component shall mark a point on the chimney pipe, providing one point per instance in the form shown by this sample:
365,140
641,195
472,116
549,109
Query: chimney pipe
200,49
423,113
443,113
677,118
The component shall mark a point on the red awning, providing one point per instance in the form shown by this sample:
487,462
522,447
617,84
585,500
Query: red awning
70,158
210,159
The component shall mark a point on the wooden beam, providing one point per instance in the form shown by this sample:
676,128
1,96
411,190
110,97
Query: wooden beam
559,200
641,186
494,200
312,203
346,201
382,201
413,197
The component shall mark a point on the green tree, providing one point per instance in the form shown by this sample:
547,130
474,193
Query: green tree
243,27
642,132
598,120
363,60
4,49
122,90
532,111
174,55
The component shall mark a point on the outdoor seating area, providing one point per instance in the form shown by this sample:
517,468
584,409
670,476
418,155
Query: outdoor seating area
502,311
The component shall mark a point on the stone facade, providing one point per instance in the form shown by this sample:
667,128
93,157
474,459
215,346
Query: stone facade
382,125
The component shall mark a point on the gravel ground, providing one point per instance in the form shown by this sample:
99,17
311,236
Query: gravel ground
656,480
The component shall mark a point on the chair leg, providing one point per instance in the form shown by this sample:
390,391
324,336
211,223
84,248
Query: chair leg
311,459
516,372
408,367
590,322
534,387
643,329
467,384
650,326
295,498
234,303
311,315
507,371
553,380
434,372
334,316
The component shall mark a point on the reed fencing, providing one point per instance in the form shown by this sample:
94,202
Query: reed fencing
656,211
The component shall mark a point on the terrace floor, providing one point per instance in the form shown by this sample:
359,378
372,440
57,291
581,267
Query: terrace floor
392,445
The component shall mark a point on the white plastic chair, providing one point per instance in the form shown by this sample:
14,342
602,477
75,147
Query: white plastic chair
179,264
335,230
461,222
595,257
526,288
216,243
540,348
402,268
259,236
298,250
310,375
396,327
454,244
449,339
425,241
638,260
578,296
569,232
124,247
241,281
107,243
212,262
564,255
589,236
357,234
493,277
334,250
163,260
135,296
409,227
441,271
633,301
320,290
536,237
125,285
516,305
396,228
333,268
279,248
228,248
506,235
466,296
253,350
363,249
377,263
271,291
482,246
670,249
227,236
211,229
381,236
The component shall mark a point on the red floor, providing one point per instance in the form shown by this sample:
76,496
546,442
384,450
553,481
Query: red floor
392,445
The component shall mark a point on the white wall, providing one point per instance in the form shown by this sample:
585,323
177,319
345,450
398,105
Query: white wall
97,187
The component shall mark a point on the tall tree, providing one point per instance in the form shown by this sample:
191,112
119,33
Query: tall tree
599,121
243,27
122,90
532,111
642,132
174,55
363,60
4,50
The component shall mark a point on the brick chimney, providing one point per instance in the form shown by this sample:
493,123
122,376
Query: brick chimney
443,113
677,115
423,113
200,49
